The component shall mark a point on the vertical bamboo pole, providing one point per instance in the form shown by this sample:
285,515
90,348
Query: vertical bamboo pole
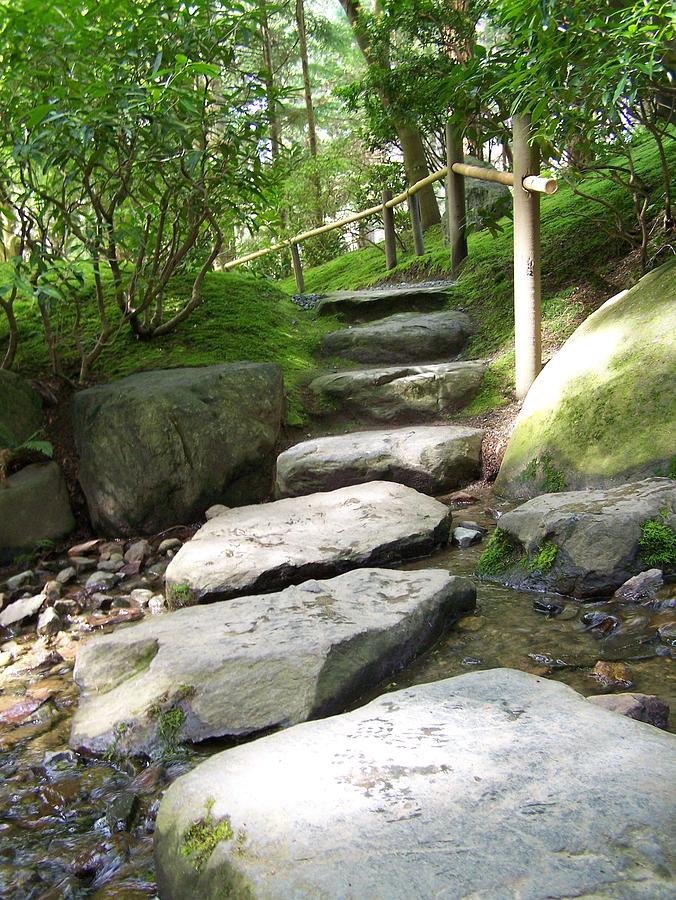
297,268
416,225
455,199
527,325
390,237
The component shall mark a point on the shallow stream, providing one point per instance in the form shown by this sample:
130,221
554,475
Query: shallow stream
76,828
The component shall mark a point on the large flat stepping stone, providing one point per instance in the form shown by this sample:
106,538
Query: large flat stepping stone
431,459
269,546
363,306
401,393
585,543
494,784
256,663
404,338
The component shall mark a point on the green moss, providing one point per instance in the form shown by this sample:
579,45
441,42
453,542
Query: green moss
113,751
201,838
169,729
500,554
530,473
657,545
544,559
178,596
553,480
671,470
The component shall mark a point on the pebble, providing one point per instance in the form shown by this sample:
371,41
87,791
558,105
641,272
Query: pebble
52,591
84,548
59,759
465,537
157,604
66,607
171,543
114,564
49,622
23,579
66,575
138,552
21,609
216,510
611,674
159,568
102,580
121,811
642,707
141,596
83,563
641,587
307,301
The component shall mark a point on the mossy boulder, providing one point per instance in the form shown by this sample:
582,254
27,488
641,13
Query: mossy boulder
585,543
158,448
603,411
20,410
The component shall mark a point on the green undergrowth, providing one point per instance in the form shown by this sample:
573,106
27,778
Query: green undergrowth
241,318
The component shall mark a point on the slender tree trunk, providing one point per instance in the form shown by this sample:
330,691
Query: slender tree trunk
309,108
412,147
269,76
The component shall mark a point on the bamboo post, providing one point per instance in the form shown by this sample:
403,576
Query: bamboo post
455,198
416,225
527,324
297,268
390,237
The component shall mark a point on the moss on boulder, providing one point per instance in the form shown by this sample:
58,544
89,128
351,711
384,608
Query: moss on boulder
603,411
20,410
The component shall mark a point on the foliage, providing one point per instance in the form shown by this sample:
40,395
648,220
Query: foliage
131,146
11,451
658,544
178,596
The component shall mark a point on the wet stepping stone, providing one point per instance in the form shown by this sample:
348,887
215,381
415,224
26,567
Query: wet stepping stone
404,338
431,459
401,393
255,663
494,784
362,306
269,546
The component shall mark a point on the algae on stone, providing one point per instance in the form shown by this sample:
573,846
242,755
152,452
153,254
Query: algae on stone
603,410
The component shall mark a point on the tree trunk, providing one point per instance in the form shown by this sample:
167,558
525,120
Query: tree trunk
309,108
269,76
412,147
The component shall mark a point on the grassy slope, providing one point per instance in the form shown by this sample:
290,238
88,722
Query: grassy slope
244,318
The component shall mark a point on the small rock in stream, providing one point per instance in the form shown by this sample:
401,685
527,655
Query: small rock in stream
103,581
465,537
600,621
642,707
49,622
641,587
22,580
121,811
22,609
170,544
548,609
66,575
611,674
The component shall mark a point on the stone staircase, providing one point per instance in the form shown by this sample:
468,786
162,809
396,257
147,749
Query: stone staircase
410,380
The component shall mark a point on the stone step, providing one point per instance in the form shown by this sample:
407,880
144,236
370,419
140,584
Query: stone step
432,459
403,338
256,663
267,547
491,785
363,306
416,393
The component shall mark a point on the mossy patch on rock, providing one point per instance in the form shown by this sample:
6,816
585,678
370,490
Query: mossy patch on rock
200,838
658,544
603,410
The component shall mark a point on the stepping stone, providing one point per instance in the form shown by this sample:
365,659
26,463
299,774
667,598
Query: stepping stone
362,306
402,393
494,784
583,543
269,546
431,459
262,662
404,338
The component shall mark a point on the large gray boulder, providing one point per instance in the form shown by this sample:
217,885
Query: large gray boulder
158,448
34,507
432,459
585,543
373,303
404,338
20,410
401,393
495,784
603,411
257,663
266,547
